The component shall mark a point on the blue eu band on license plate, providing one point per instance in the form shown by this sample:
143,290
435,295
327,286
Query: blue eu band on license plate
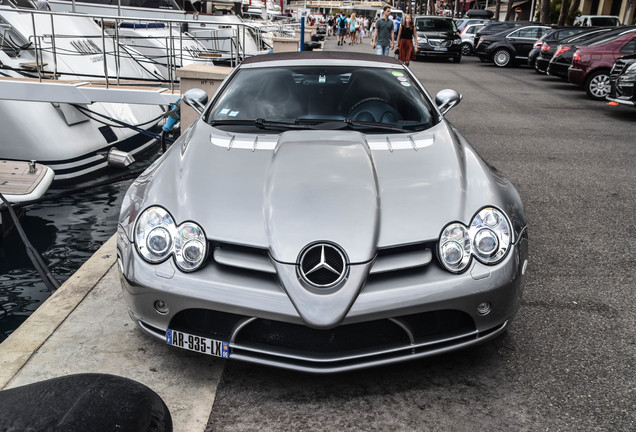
198,343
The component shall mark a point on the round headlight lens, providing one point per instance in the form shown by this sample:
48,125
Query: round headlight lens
485,243
454,247
159,241
190,246
491,235
452,253
154,234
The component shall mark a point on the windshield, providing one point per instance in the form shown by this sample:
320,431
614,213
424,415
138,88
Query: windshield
325,97
435,24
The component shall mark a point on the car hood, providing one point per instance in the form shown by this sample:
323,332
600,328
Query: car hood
282,192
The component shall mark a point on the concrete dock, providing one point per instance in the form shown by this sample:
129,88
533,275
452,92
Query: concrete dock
84,327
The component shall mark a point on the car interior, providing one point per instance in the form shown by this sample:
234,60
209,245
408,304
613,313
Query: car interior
316,95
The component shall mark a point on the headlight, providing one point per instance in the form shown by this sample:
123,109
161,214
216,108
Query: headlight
157,237
631,68
189,246
454,247
457,41
153,234
488,239
490,232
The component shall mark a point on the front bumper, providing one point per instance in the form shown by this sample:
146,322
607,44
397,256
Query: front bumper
451,51
396,317
622,90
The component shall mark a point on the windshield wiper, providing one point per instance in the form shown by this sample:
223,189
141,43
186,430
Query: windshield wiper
341,124
260,123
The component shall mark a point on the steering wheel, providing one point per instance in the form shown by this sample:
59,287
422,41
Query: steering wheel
374,109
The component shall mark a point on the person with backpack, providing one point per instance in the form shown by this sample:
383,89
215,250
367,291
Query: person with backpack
342,29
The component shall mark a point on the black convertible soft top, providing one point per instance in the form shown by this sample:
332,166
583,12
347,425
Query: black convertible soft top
321,55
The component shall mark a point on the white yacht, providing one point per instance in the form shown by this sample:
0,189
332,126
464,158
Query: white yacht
73,140
225,36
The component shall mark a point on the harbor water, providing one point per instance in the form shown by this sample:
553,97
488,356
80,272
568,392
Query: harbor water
66,231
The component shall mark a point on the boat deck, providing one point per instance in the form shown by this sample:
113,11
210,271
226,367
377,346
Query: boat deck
21,181
86,92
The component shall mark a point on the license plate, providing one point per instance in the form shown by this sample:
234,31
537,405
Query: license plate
440,49
198,343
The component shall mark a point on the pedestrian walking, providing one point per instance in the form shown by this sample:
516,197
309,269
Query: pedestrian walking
407,40
352,29
342,29
383,38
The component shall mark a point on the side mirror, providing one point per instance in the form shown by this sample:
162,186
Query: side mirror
196,98
446,99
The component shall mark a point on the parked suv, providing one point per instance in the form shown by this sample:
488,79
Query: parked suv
591,64
623,80
438,37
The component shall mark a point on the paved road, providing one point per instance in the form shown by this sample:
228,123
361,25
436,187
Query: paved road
568,361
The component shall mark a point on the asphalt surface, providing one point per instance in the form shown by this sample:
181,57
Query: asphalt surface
568,361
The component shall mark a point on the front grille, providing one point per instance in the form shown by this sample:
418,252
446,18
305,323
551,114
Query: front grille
440,43
373,334
368,336
202,322
617,69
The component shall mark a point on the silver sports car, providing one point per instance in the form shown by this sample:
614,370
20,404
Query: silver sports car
322,215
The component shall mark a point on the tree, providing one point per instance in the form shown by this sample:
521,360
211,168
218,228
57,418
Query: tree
545,12
564,12
574,6
497,10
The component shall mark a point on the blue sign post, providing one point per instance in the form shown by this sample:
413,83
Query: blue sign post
302,34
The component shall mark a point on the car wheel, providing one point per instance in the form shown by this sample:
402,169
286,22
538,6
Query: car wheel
537,70
467,49
501,57
597,85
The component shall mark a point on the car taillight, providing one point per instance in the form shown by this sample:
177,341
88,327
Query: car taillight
537,44
560,50
545,47
576,57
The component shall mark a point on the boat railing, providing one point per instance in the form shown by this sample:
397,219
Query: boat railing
220,41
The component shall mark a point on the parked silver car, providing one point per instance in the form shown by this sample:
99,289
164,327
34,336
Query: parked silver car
322,215
468,37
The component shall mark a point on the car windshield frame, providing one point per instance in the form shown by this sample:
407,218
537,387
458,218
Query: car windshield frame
368,99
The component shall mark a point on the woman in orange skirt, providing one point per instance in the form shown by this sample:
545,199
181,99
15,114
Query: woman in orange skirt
407,40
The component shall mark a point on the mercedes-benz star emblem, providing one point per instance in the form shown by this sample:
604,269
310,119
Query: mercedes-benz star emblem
322,265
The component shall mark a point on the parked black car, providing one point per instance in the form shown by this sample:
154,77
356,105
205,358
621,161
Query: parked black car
562,59
549,48
438,37
551,37
623,80
509,47
498,27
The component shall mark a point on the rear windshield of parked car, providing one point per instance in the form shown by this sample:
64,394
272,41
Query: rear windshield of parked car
313,94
